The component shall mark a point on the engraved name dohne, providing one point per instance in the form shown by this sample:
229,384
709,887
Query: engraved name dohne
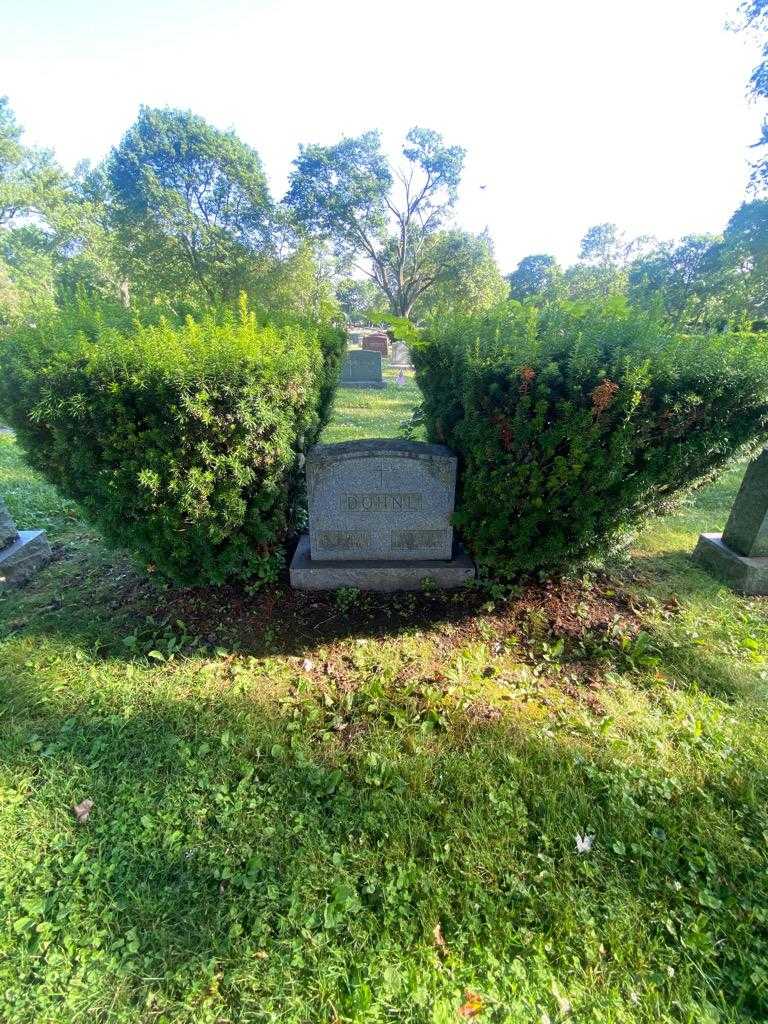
381,502
344,540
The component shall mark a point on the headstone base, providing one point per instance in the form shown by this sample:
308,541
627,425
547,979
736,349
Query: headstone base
24,557
362,383
744,575
382,576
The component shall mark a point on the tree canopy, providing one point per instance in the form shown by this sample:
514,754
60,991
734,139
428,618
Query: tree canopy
534,274
180,216
51,239
387,223
754,15
467,280
190,206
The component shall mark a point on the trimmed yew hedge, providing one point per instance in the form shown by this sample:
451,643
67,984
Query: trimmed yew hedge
181,441
575,422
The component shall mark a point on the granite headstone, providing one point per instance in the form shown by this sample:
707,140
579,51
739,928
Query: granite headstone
8,532
380,518
361,370
376,343
392,499
746,531
740,554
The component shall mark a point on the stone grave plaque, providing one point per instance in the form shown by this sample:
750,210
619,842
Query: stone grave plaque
22,553
361,369
380,499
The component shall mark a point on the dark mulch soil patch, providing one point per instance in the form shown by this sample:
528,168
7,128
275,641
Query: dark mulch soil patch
585,619
282,621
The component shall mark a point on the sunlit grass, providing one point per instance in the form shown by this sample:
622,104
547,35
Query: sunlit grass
345,833
361,413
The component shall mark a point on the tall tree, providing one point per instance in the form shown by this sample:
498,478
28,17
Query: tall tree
743,258
31,184
754,15
469,280
601,269
51,240
603,246
191,208
533,276
358,298
387,223
681,280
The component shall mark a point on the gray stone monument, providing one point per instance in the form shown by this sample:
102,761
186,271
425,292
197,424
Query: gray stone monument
401,356
22,553
361,370
739,555
380,518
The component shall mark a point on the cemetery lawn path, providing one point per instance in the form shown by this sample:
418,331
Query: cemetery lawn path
362,412
362,809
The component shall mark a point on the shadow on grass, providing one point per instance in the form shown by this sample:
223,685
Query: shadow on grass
122,613
97,602
233,864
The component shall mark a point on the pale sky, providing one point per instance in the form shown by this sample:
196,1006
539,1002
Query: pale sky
573,112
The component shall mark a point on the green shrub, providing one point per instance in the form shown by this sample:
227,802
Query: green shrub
181,441
573,423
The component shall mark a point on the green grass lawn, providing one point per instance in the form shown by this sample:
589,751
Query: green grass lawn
361,412
336,809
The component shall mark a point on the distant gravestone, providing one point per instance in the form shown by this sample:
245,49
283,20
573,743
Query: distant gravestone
400,354
376,343
740,554
361,370
22,553
380,518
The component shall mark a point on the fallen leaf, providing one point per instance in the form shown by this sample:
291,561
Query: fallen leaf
472,1005
439,940
83,810
308,664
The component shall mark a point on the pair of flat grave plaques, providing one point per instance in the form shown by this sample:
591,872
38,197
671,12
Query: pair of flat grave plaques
380,518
